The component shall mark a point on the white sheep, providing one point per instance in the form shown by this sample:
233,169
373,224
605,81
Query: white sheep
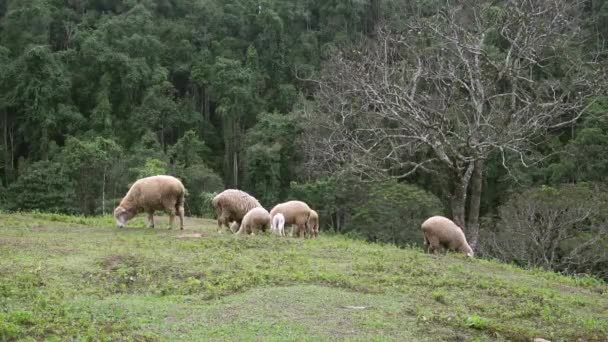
442,232
278,224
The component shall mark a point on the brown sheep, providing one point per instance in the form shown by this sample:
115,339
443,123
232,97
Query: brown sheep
313,224
150,194
256,219
231,206
295,212
442,232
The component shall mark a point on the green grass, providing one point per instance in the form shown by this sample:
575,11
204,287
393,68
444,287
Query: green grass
65,277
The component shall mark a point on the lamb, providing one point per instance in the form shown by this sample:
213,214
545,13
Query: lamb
256,219
278,224
442,232
313,224
150,194
232,205
295,212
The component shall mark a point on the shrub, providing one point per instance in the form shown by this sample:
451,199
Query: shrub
44,186
557,228
392,212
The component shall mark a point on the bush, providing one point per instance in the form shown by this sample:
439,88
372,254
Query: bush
44,186
392,212
199,180
557,228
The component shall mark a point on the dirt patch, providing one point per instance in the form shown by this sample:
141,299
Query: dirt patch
114,262
190,236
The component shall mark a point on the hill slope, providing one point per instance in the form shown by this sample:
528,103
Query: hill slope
68,276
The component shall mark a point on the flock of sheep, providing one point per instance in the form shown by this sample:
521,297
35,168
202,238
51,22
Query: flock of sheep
243,214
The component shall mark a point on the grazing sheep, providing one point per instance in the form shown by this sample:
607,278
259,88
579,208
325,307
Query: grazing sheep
278,224
150,194
295,212
232,205
313,224
443,232
256,219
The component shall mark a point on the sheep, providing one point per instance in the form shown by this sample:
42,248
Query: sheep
232,205
278,224
150,194
295,212
256,219
313,224
440,232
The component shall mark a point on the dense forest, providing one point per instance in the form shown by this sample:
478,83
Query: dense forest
379,113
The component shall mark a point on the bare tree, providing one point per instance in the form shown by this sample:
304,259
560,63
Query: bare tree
449,90
562,229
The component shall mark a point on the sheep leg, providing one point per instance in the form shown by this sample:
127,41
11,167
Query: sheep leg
181,217
150,219
221,222
171,217
433,244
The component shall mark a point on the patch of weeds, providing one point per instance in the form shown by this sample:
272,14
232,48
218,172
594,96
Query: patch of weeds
439,296
9,331
477,322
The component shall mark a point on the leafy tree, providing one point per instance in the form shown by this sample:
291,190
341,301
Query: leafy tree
152,167
87,162
188,159
269,155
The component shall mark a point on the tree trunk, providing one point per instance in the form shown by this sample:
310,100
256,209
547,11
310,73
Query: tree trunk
235,169
458,197
8,149
457,201
475,204
206,105
103,193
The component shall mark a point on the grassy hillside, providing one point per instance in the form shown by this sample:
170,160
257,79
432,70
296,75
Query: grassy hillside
83,278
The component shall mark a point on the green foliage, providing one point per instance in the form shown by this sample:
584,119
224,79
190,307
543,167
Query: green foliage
477,322
189,150
321,195
199,180
392,212
207,209
188,156
43,185
152,167
583,158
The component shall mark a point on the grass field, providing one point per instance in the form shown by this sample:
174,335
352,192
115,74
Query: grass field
77,278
